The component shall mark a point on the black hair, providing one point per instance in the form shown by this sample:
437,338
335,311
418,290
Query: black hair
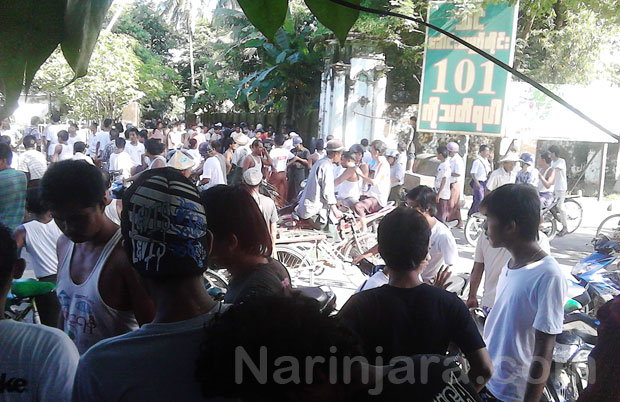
233,211
442,150
29,141
348,155
79,146
8,255
33,201
256,143
73,124
6,153
217,145
107,123
62,179
425,197
143,134
279,140
192,143
120,143
379,146
403,238
546,156
228,142
114,133
63,135
119,127
401,147
94,123
518,203
364,142
483,147
130,130
554,149
154,146
320,144
55,117
413,118
34,120
284,326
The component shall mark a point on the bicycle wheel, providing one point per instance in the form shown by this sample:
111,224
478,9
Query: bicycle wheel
473,229
549,225
296,260
364,243
574,214
215,279
610,227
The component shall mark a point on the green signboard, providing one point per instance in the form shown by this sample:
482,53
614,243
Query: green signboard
462,92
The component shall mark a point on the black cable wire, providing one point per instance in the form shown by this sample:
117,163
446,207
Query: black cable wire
486,56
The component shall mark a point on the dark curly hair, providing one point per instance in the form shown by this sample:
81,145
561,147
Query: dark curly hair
291,326
68,181
403,238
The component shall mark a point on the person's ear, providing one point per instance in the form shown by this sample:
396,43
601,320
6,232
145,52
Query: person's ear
208,242
19,268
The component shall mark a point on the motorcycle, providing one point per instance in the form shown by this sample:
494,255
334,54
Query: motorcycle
216,282
599,274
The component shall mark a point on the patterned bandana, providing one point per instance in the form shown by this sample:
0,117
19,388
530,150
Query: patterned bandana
165,224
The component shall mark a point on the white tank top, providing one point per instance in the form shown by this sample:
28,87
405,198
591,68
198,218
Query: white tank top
541,186
381,190
112,212
159,157
41,241
258,163
88,319
349,189
66,153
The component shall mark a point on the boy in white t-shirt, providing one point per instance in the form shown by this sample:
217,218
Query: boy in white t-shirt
37,362
442,183
528,311
561,185
120,160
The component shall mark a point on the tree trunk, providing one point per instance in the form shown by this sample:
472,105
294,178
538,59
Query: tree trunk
525,35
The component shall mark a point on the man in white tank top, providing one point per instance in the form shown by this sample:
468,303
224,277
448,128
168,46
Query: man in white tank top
164,229
63,150
98,291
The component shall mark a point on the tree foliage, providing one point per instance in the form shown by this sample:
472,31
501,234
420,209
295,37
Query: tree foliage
112,82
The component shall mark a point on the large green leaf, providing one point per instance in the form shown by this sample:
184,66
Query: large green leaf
339,19
26,41
266,15
82,22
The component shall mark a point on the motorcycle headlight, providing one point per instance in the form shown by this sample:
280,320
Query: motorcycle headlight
563,353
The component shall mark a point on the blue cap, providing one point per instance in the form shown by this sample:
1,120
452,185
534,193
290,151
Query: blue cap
527,158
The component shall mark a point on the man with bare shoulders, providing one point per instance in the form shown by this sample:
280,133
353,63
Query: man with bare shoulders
98,291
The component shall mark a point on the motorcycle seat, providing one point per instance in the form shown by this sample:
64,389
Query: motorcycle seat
313,292
23,288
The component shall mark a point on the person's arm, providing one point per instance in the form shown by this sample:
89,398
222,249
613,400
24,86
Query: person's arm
540,366
228,165
344,176
292,160
475,279
372,251
306,162
246,163
266,158
443,184
20,238
57,152
273,229
547,181
480,368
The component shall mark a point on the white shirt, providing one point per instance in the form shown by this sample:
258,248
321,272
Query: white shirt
65,153
443,171
122,162
443,250
528,299
212,170
279,157
37,362
494,260
80,156
32,162
499,177
481,168
367,158
136,152
397,171
73,140
381,189
239,155
41,240
457,165
377,280
103,138
51,134
560,174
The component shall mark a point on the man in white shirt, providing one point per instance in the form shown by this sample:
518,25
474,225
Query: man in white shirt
480,170
561,185
397,175
528,311
170,246
103,138
212,174
442,183
134,148
380,184
50,135
32,162
75,135
37,362
457,178
279,159
92,139
443,251
120,160
79,153
504,174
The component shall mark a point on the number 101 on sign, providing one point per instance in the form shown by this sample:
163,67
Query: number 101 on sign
464,77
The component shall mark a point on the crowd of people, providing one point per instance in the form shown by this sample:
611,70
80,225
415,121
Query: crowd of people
132,320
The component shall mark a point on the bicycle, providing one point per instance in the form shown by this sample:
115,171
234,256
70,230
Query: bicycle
609,227
21,299
550,224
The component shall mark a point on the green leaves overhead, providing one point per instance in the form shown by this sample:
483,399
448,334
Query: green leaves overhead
269,15
339,19
266,15
83,20
32,29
